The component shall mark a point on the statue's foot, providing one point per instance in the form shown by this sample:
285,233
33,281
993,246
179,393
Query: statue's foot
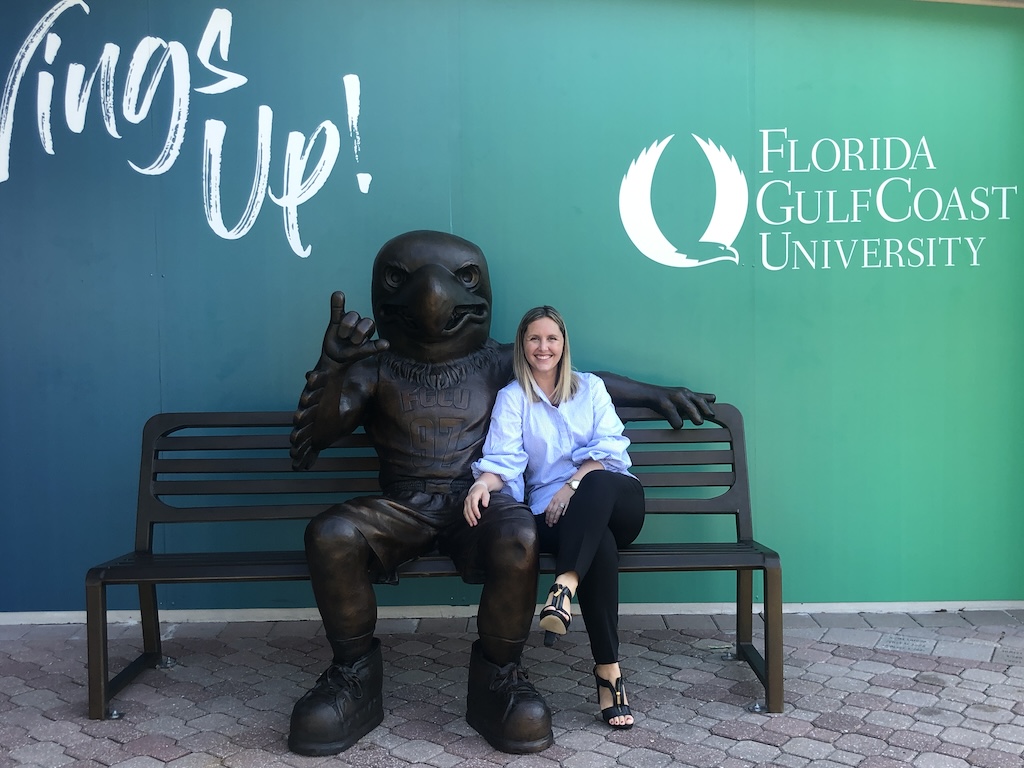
505,708
345,704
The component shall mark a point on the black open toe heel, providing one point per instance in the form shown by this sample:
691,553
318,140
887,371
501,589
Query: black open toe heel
555,616
619,707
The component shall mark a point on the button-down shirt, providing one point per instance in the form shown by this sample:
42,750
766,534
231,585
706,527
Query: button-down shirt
535,447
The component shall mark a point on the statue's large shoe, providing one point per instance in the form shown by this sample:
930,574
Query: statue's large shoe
346,703
505,708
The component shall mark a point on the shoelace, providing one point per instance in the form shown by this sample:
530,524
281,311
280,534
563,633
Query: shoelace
340,679
514,680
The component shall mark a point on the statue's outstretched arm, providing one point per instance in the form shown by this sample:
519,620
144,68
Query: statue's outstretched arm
676,404
332,401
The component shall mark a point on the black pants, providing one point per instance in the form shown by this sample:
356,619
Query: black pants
605,513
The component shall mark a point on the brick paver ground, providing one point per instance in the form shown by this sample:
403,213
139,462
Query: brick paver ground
939,690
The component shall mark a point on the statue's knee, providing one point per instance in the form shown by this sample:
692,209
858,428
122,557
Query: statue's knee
513,546
332,534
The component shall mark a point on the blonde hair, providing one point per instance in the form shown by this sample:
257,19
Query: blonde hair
566,382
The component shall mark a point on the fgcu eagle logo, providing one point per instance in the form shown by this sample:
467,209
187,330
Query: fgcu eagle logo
730,210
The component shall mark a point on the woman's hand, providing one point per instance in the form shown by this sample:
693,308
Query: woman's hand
477,499
560,502
557,506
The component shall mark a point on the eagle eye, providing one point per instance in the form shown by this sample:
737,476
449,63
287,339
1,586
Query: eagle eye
394,277
469,275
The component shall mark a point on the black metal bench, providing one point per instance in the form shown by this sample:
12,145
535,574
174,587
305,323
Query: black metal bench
234,467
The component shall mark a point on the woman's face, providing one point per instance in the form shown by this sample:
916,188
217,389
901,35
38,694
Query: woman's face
542,345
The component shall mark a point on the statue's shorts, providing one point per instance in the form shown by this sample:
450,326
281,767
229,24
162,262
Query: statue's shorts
407,524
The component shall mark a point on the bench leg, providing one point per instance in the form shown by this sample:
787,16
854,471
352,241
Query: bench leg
96,641
773,638
768,668
744,609
150,613
101,687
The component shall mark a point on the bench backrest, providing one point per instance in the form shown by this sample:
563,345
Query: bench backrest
696,470
224,467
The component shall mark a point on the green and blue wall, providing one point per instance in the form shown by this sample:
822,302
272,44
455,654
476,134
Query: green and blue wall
813,209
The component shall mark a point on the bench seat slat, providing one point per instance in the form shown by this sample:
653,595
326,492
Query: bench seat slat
185,567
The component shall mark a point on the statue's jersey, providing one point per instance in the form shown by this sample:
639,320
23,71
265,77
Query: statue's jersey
428,422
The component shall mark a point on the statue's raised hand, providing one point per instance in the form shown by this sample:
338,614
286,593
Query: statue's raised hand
347,340
348,336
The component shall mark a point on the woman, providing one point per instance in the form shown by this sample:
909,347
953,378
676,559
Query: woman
556,442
